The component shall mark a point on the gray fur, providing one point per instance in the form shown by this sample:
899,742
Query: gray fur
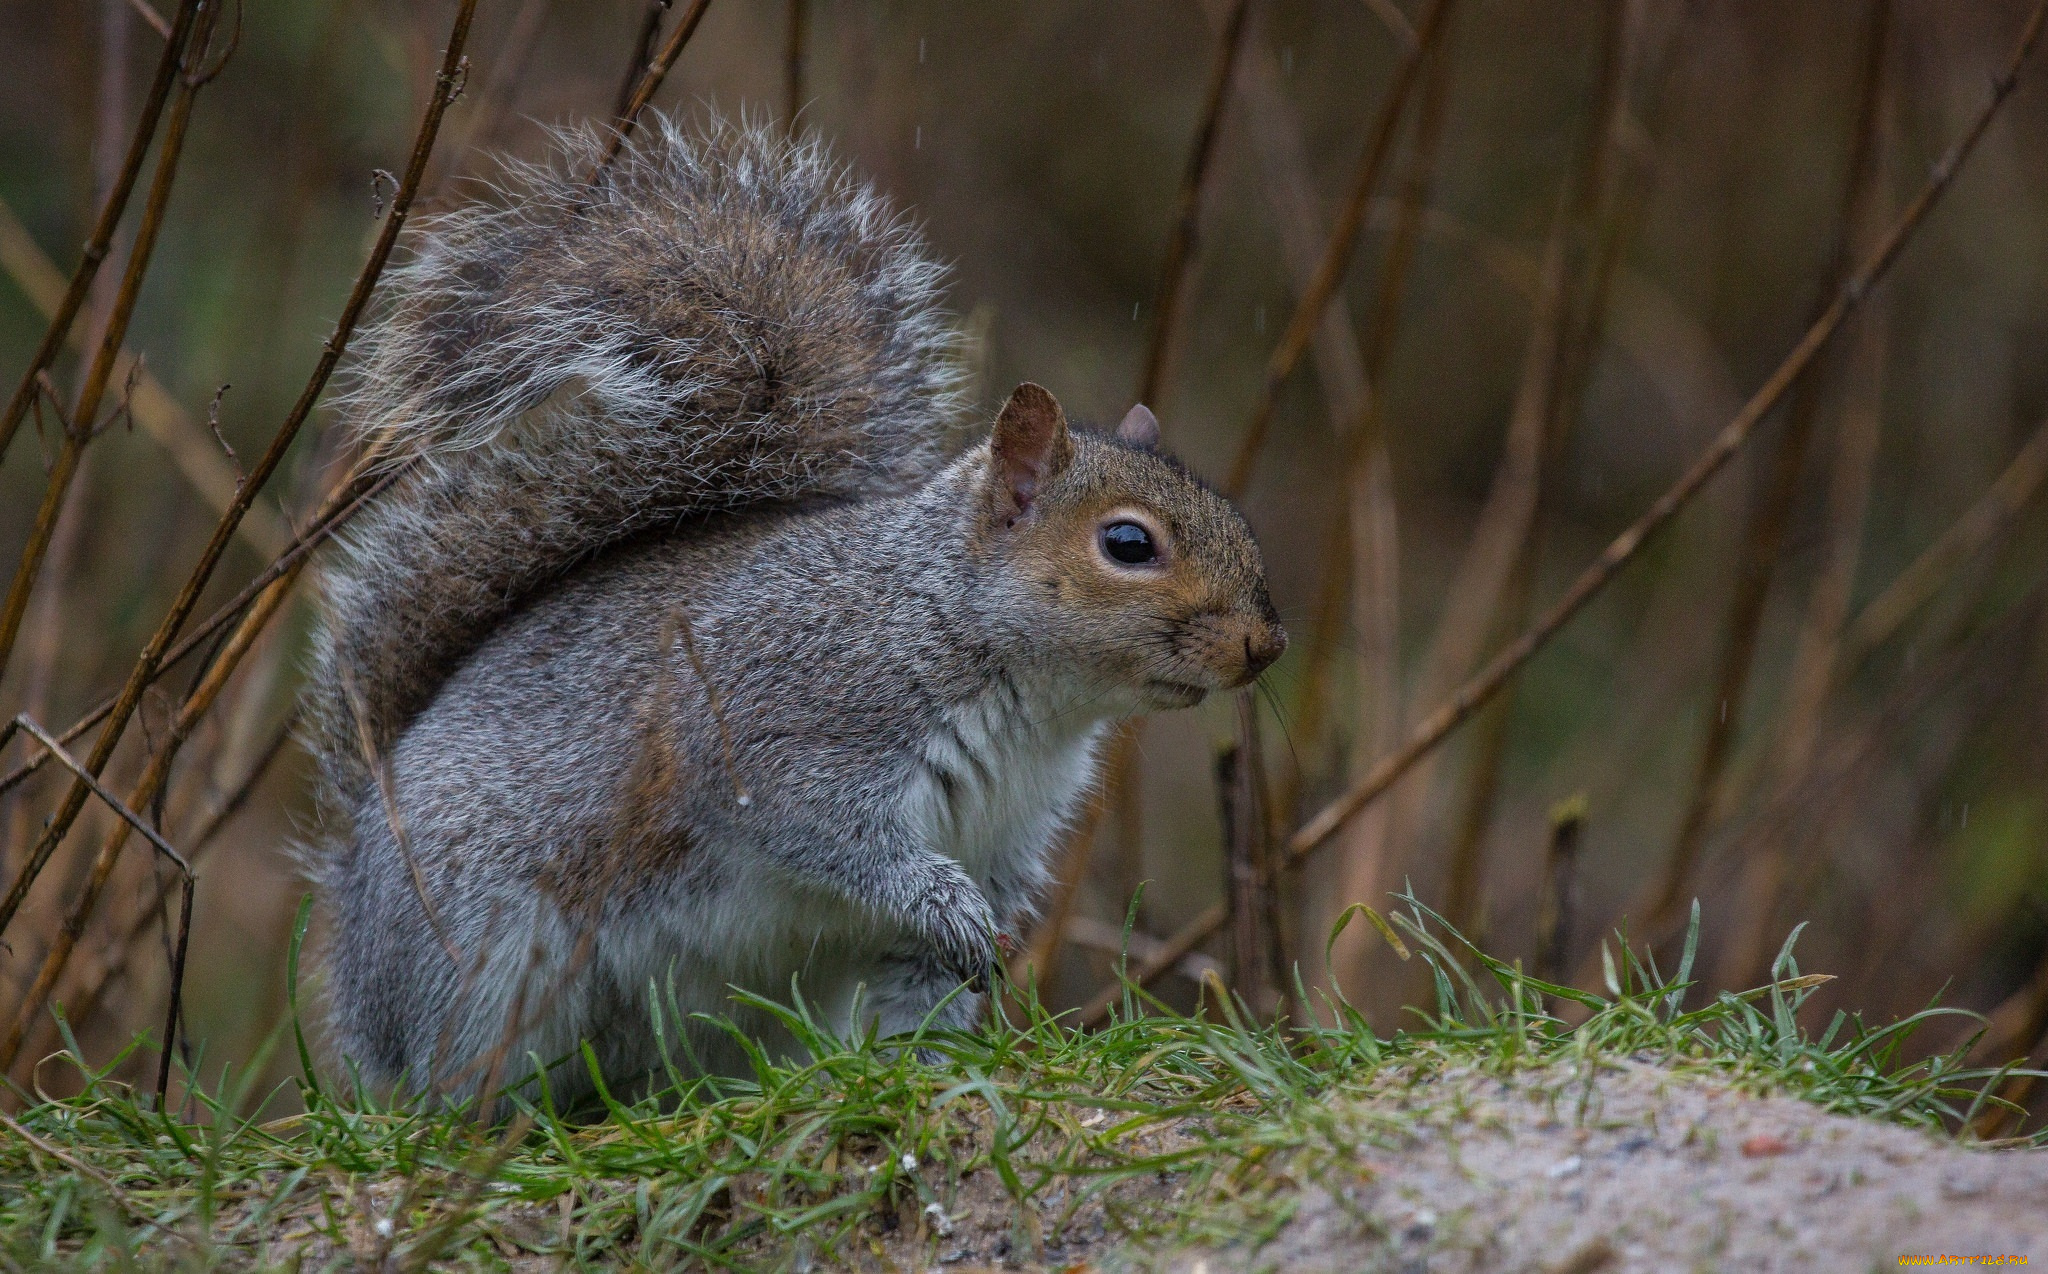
728,319
723,692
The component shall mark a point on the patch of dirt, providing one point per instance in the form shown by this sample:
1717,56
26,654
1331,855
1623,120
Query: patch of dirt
1640,1168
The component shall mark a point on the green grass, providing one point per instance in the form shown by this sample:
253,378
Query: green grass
1157,1129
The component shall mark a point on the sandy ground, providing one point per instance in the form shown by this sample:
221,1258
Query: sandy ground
1643,1169
1555,1170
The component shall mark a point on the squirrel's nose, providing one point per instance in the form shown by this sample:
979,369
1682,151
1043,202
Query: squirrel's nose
1262,646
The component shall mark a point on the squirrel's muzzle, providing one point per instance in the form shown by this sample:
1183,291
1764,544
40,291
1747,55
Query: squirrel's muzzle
1264,644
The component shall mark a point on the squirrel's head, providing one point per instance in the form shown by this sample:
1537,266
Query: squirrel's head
1120,559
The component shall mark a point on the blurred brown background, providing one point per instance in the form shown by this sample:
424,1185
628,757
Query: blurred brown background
1881,775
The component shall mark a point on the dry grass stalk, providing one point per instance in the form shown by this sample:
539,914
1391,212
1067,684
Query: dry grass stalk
1337,253
1770,522
1479,689
1339,360
101,239
1364,542
447,84
1816,658
1490,566
82,419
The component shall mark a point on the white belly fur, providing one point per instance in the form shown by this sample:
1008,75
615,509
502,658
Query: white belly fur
1015,778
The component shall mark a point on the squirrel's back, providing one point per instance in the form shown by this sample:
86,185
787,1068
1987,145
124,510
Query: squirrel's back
726,319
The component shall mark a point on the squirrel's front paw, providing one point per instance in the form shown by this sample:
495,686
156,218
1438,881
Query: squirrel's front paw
955,918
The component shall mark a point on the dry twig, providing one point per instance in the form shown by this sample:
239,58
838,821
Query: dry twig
84,414
1435,728
101,239
1772,518
447,82
650,81
1337,253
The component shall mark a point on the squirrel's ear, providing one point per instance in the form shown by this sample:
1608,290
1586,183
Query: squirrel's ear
1030,445
1140,428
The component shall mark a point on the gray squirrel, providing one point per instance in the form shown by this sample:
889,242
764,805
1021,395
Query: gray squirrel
682,659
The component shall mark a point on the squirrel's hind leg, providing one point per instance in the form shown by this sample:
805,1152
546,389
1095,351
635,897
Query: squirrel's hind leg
911,992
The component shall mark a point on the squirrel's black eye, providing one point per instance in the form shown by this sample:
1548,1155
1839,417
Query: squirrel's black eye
1129,543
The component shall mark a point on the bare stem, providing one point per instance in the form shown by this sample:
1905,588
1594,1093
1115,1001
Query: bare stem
100,240
643,92
446,85
1337,253
1183,238
84,415
1435,728
1772,519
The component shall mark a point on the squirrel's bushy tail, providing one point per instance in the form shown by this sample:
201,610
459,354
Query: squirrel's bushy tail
726,319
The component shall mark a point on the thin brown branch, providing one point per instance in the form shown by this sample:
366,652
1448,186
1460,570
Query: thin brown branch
1488,681
1602,218
1395,21
1829,784
100,240
349,498
1558,906
453,66
1366,536
643,92
1297,216
1112,940
1434,729
643,50
488,105
84,997
1984,522
156,21
1337,253
85,409
1165,957
794,34
1762,874
163,847
113,802
151,405
1183,238
1772,519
